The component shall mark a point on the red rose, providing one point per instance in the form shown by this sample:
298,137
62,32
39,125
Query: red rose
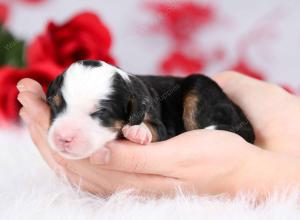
9,76
83,37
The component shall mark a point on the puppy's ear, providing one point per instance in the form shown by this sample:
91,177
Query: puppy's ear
54,97
138,107
139,102
54,87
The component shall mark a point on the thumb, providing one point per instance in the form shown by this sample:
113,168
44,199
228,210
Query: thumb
156,158
160,158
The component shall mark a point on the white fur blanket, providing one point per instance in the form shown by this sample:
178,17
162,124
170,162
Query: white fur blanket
29,190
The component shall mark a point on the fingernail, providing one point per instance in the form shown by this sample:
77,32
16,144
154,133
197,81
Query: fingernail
125,127
21,87
24,116
101,157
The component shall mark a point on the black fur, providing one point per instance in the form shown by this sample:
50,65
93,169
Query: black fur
214,107
91,63
54,89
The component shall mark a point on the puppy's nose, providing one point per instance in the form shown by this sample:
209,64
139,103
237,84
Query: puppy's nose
63,141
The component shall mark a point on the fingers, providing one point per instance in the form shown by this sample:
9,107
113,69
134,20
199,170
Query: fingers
40,141
36,108
160,158
35,113
166,157
85,185
130,157
32,98
102,156
96,179
242,89
31,85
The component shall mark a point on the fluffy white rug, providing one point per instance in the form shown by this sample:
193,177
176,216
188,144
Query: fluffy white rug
29,190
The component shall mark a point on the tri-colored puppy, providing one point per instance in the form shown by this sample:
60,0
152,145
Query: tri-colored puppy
93,102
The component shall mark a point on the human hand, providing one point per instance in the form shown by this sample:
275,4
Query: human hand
127,159
273,112
126,171
207,162
191,167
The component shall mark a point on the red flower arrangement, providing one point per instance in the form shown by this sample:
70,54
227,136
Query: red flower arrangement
83,37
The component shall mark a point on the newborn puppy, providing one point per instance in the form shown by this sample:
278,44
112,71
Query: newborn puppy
93,102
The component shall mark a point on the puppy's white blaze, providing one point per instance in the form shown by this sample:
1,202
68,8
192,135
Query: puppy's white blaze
84,86
211,127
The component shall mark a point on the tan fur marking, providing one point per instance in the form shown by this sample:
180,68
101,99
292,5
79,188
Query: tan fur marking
57,100
118,125
189,111
153,131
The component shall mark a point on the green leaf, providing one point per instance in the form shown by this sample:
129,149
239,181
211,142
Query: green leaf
11,49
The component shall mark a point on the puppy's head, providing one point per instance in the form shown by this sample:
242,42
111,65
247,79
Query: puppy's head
89,105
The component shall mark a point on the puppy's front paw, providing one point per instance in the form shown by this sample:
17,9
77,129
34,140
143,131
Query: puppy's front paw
139,134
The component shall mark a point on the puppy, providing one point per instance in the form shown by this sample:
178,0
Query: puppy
93,103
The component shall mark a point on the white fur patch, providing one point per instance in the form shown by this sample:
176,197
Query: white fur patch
84,86
211,127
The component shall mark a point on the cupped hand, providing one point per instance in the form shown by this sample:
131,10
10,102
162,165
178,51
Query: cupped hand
158,168
273,112
205,162
95,179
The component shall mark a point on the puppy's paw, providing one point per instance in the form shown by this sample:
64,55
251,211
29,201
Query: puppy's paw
139,134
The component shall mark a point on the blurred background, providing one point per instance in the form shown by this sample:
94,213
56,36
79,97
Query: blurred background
39,38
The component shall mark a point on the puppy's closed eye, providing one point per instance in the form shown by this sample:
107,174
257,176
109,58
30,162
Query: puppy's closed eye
101,113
